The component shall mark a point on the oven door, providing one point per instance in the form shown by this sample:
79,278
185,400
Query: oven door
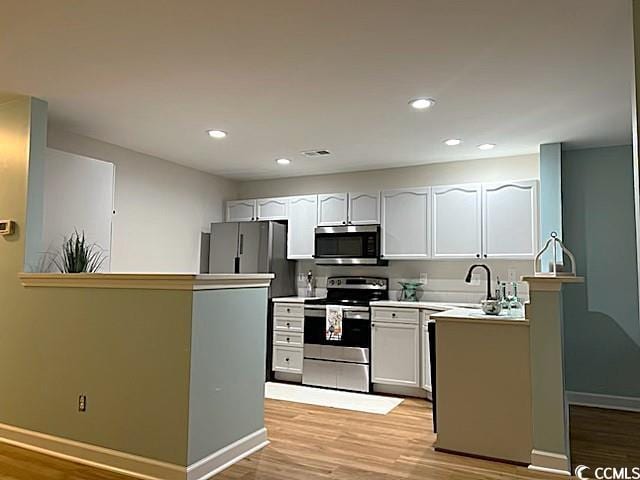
348,245
353,347
356,327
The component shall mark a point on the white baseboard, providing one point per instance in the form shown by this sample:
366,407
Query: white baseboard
604,401
132,465
550,462
224,458
91,455
400,390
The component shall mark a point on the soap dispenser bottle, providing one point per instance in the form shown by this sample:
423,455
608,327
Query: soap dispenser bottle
310,290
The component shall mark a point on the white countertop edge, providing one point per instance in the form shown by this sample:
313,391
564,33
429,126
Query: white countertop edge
148,281
442,306
293,299
461,314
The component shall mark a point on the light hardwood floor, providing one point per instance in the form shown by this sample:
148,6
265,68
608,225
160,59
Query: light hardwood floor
315,443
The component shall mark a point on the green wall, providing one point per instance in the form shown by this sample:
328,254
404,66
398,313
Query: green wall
127,350
602,324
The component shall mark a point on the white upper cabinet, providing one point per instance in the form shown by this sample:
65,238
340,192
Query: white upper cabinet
457,221
364,208
272,209
241,211
332,209
510,220
303,219
405,224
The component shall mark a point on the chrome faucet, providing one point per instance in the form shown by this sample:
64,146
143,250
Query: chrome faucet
481,265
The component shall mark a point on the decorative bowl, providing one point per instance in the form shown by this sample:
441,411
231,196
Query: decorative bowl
491,307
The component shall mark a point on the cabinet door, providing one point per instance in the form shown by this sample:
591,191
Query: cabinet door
405,224
241,211
510,220
364,208
303,219
272,209
395,354
456,224
425,362
332,209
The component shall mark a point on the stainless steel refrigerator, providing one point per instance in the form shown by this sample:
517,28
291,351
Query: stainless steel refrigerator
252,247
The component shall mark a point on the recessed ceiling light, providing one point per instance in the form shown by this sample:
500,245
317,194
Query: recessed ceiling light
216,133
486,146
283,161
422,103
452,142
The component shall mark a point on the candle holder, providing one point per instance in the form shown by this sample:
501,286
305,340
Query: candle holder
554,242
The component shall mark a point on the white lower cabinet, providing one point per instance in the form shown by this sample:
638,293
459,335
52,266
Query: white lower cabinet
288,338
287,359
395,347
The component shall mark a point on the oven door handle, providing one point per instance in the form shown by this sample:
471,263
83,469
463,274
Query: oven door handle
346,314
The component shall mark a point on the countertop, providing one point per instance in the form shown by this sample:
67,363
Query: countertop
147,281
477,315
292,299
440,306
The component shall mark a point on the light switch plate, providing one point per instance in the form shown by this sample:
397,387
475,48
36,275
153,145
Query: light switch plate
475,279
424,279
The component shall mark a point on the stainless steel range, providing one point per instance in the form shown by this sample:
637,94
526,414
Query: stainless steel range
342,363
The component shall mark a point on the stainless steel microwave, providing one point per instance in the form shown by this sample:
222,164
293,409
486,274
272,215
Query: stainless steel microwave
348,245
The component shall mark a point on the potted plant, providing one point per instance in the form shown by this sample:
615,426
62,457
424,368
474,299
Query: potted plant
78,256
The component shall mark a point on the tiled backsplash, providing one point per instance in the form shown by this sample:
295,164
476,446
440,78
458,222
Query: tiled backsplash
445,279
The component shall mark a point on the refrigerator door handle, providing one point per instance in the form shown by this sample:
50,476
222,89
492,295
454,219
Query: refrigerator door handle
241,244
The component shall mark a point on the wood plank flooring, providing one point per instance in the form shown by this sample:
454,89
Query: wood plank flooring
604,438
315,443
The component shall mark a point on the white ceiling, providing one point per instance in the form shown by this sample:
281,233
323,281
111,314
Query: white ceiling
282,76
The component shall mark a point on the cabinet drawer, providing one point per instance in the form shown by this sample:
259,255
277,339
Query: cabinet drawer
287,339
288,324
289,310
287,359
395,315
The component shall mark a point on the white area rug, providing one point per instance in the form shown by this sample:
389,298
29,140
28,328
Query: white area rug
359,402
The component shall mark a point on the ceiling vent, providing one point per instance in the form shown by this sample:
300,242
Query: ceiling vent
316,153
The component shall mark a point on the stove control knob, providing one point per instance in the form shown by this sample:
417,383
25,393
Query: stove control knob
331,282
339,282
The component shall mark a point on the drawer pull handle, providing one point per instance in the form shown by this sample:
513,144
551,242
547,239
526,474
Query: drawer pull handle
393,315
286,359
288,324
288,339
288,310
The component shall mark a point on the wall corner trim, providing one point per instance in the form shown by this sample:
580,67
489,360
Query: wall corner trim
550,462
227,456
613,402
128,464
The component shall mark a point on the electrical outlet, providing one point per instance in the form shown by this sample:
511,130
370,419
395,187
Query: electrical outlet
475,279
423,278
512,275
82,403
